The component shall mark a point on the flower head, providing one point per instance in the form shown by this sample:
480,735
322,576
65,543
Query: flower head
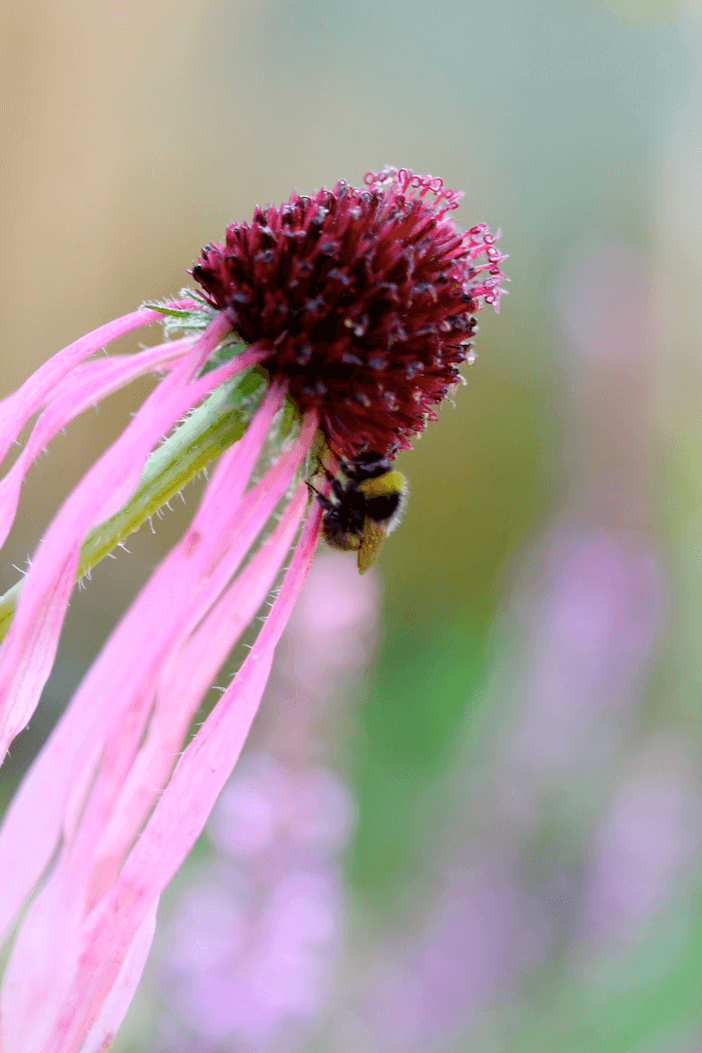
362,299
358,306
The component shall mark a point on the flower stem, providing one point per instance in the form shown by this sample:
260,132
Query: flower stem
199,440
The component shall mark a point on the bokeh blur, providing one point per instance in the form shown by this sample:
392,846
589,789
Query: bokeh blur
470,817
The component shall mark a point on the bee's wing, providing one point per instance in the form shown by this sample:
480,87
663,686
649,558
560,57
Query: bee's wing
373,539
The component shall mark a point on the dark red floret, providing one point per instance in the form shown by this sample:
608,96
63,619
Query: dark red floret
365,299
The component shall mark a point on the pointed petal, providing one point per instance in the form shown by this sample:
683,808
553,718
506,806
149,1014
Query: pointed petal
178,817
65,766
90,383
192,670
47,954
120,997
123,733
28,650
21,406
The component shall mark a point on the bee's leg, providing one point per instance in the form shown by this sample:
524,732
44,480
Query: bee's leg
326,504
337,488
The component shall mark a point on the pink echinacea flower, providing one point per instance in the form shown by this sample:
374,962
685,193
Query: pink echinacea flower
333,322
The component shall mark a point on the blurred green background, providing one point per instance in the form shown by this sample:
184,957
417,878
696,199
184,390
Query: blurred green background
540,661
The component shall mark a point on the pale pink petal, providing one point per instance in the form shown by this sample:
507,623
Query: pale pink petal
27,652
31,1005
244,526
231,474
174,599
21,406
254,585
125,732
47,954
192,670
67,762
28,1010
178,818
113,371
92,381
119,999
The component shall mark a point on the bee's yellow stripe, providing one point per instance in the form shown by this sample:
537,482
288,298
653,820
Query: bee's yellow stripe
383,485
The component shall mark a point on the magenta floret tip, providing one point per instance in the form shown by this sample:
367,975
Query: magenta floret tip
407,182
362,300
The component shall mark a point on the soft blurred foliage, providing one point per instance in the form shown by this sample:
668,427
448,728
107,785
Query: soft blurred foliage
524,750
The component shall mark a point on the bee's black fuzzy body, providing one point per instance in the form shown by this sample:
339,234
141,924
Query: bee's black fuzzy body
363,507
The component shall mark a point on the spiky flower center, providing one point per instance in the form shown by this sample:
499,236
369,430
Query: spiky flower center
364,299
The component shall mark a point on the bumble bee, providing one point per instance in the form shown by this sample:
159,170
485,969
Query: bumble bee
364,508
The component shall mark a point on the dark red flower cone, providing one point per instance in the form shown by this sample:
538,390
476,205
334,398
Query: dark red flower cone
363,298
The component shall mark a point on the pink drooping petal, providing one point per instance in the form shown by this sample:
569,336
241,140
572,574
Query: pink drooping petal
113,371
177,820
175,599
125,730
34,1005
28,650
190,674
21,406
28,1010
28,1017
64,894
117,1003
87,385
46,953
65,766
